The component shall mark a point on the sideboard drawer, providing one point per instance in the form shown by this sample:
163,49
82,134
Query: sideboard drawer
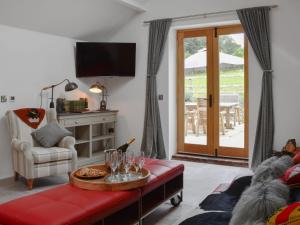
76,121
103,119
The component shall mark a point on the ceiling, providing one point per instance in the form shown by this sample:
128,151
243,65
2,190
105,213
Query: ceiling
78,19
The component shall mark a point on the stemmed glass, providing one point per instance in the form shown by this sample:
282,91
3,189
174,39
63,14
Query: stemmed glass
126,164
141,162
132,161
136,165
119,162
114,162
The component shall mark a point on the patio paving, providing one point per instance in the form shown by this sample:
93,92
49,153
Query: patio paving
232,138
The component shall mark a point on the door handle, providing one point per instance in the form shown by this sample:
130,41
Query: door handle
210,100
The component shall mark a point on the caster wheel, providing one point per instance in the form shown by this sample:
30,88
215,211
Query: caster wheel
175,201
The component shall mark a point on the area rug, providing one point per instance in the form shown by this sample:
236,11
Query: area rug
225,201
210,218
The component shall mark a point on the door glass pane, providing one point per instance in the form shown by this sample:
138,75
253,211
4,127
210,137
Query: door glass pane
231,99
195,90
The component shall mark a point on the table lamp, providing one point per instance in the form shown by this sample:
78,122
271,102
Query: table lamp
99,88
70,86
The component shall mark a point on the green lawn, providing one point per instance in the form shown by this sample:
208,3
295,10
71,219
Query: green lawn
231,81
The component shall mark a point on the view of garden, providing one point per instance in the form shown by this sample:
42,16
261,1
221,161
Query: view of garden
231,90
231,81
231,77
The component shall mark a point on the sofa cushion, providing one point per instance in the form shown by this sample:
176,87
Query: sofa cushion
296,158
44,155
289,215
292,176
49,135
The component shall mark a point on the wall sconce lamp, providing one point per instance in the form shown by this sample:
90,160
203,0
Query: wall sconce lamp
99,88
70,86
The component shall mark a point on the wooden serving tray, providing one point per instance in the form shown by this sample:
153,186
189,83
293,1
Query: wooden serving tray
100,184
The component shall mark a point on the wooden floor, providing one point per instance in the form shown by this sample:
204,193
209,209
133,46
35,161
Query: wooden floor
200,179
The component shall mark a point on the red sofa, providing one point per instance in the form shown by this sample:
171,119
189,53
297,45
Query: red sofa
70,205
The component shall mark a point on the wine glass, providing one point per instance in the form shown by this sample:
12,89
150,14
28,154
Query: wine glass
130,155
126,164
135,163
119,162
141,162
107,157
114,161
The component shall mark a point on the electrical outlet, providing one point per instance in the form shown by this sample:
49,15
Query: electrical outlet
12,98
3,98
160,97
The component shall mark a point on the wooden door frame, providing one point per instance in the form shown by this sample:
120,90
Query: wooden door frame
212,147
181,146
230,151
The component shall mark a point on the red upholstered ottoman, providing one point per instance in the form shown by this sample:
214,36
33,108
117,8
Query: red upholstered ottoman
164,170
66,204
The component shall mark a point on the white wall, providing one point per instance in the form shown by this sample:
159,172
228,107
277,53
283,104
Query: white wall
28,62
31,60
128,95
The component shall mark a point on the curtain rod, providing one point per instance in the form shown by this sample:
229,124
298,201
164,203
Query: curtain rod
204,15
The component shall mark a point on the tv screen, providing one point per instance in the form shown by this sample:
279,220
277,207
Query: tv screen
105,59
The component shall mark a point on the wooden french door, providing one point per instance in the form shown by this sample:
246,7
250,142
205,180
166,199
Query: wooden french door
212,91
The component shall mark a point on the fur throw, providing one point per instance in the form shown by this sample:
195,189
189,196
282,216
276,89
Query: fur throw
268,161
263,174
281,165
259,202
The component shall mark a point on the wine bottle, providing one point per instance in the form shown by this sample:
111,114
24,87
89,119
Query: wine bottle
126,145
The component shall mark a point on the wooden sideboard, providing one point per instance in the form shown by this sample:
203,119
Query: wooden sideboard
94,132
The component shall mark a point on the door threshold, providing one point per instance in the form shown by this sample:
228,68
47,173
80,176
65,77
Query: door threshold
211,160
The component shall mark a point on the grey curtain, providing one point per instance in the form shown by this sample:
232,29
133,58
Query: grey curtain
255,22
153,143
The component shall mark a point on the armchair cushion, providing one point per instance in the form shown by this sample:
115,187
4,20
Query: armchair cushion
49,135
44,155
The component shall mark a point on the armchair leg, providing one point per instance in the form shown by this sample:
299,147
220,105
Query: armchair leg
29,183
16,176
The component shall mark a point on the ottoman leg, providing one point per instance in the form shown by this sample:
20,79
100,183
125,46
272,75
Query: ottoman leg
29,183
176,200
16,176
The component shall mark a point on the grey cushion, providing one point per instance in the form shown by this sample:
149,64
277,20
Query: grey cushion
259,202
49,135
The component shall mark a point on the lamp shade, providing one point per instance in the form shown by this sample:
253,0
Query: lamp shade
70,86
96,88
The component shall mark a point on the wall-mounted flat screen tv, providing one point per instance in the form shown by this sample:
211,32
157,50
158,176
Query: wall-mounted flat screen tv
105,59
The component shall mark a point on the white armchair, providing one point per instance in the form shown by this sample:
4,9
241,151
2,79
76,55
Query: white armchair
33,161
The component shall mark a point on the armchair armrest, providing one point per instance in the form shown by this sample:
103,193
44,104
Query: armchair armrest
67,142
21,145
24,147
